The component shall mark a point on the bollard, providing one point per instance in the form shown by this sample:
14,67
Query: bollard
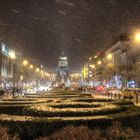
123,96
111,95
137,100
105,94
115,95
119,96
108,94
130,96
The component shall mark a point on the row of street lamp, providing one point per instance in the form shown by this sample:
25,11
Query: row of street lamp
26,63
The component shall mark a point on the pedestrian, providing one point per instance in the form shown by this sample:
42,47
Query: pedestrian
13,91
2,92
81,89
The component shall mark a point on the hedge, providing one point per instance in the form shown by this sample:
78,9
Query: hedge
32,129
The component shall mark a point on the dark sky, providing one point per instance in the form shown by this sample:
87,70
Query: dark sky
42,29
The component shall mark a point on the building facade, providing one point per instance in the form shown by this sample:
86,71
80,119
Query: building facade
7,64
120,64
62,69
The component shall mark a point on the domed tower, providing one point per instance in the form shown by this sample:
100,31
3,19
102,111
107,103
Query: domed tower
62,69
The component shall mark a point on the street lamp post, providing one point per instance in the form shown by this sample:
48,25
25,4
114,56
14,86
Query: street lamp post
37,78
25,64
109,58
127,68
99,63
12,56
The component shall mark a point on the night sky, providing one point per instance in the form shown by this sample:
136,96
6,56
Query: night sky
42,29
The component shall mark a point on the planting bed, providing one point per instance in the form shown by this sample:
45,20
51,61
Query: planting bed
37,115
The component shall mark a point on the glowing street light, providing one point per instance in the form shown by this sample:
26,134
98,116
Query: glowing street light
12,55
99,62
137,37
31,66
95,56
37,69
21,77
109,56
90,58
92,66
25,62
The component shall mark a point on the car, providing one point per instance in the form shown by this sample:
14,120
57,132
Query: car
44,88
31,90
100,88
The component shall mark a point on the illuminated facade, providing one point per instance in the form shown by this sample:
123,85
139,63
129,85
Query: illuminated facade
120,64
62,69
7,63
75,75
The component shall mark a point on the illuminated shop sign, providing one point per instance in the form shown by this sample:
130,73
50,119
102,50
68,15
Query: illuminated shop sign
6,51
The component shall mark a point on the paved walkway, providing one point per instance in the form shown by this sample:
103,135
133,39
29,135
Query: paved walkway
101,95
